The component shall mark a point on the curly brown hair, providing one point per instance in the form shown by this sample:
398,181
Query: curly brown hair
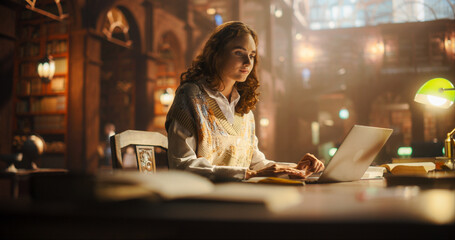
207,65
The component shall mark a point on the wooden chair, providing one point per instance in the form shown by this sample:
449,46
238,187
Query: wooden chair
150,148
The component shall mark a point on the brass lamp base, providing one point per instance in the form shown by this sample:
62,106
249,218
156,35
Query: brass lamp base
444,163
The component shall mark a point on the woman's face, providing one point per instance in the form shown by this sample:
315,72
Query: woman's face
239,58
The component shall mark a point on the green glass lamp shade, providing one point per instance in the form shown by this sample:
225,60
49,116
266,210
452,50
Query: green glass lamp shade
436,93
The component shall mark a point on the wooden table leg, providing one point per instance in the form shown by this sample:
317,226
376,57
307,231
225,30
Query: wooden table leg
14,187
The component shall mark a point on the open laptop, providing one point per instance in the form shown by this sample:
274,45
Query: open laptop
354,156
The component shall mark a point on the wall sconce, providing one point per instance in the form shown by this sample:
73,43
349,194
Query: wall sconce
46,68
439,92
276,11
374,50
264,122
167,97
211,11
377,48
306,53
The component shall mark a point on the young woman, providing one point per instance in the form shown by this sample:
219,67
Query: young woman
210,125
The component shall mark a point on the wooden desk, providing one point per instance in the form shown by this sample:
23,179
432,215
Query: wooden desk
23,175
364,209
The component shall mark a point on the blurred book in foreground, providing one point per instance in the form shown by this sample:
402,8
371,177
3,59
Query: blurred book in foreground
170,185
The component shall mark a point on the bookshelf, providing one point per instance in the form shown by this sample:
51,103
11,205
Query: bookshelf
166,79
40,107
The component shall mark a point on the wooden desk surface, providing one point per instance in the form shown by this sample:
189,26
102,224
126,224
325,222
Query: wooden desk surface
354,210
25,174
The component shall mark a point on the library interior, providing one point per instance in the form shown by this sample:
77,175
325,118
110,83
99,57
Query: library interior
88,85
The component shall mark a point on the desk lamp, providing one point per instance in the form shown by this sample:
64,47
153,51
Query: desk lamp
439,92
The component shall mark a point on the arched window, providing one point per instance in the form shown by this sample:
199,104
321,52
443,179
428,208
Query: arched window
325,14
116,28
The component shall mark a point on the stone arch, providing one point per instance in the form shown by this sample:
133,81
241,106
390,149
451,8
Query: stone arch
121,68
133,24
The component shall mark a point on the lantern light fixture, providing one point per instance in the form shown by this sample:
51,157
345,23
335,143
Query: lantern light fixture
167,97
46,68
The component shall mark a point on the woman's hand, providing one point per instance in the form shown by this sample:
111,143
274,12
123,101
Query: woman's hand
310,164
276,170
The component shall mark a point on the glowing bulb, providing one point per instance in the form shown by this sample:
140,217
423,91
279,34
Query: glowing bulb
436,101
264,122
306,53
344,113
278,13
167,97
332,151
404,151
46,68
211,11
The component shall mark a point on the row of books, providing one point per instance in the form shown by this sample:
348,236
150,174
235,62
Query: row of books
30,32
49,122
29,49
29,69
49,104
56,28
55,147
56,46
166,81
22,106
33,31
41,123
35,86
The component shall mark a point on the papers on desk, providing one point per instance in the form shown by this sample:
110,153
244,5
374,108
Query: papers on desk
373,172
123,185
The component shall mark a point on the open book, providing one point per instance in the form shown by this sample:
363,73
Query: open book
170,185
417,168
